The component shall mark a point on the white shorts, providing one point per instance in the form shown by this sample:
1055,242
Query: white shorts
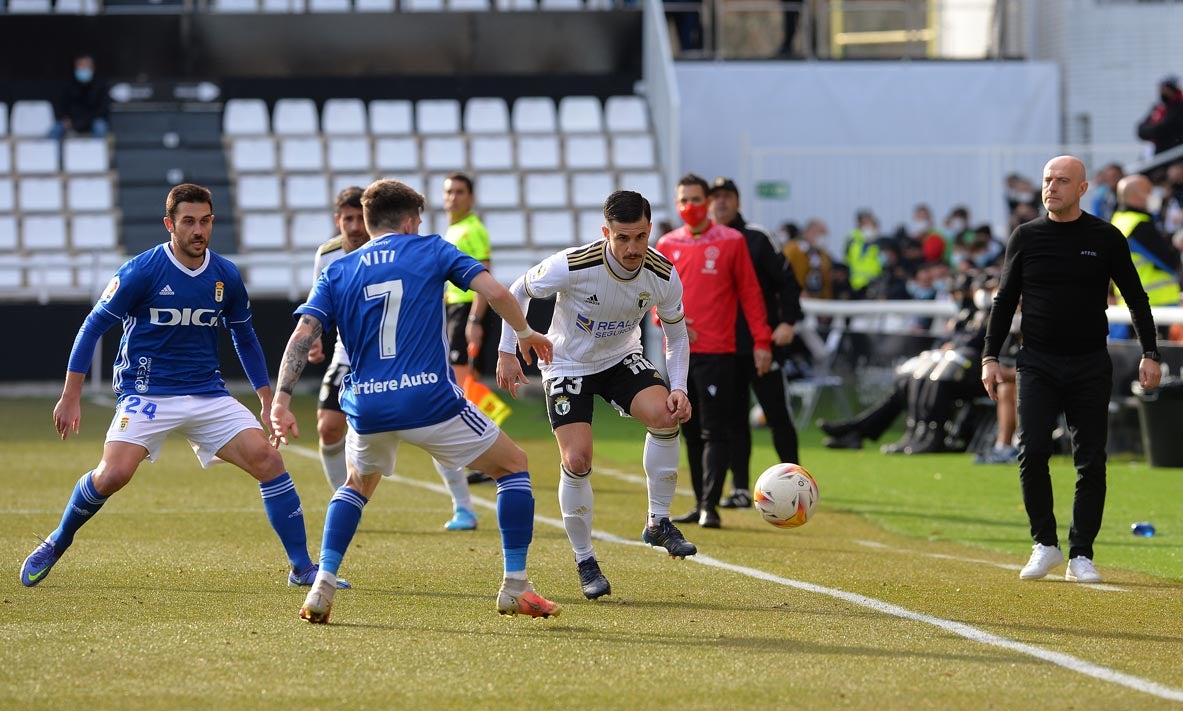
209,423
453,443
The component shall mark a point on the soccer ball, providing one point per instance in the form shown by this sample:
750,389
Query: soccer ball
785,495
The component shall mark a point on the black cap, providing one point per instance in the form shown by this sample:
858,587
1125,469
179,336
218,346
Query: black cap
1170,80
724,184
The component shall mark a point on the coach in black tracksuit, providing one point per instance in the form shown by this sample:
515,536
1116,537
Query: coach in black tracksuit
1060,266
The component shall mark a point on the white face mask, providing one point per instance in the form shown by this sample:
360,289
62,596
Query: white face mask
870,233
957,225
920,227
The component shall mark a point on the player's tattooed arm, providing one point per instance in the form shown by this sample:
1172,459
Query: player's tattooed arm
295,356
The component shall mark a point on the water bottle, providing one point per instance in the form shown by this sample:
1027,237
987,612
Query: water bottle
1144,529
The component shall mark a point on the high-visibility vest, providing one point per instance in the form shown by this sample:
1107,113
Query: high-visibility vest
1162,287
862,260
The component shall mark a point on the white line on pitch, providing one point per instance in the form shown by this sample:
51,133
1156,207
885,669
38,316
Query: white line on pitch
969,632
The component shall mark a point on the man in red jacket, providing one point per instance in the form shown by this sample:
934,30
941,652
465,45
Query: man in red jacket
717,277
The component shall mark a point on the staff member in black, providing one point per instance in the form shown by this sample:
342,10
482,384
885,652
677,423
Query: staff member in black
1061,265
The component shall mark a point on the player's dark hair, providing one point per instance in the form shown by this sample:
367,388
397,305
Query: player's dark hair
695,179
626,206
386,203
349,197
462,178
186,192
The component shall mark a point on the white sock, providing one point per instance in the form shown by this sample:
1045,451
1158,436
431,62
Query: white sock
662,452
457,484
332,458
577,502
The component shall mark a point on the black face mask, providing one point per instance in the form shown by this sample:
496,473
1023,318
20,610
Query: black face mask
1167,97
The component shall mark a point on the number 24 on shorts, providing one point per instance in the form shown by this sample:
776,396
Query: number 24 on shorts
134,405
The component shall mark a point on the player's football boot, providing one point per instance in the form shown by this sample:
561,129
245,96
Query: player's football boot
319,602
462,520
308,577
37,566
517,597
592,580
666,535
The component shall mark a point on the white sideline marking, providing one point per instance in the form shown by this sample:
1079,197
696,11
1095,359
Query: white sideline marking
973,634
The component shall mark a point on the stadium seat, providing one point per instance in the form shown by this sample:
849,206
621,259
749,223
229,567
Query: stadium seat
444,153
648,183
581,114
553,229
582,152
534,114
344,117
268,277
397,154
8,240
40,194
259,192
507,229
294,117
545,189
373,5
340,181
309,230
5,157
591,189
328,6
91,193
302,154
12,275
31,119
51,270
486,115
245,117
235,6
498,190
633,151
561,5
76,7
85,155
421,5
490,152
509,264
263,231
306,192
280,7
588,224
414,181
253,154
37,156
94,232
29,7
538,152
391,117
516,5
3,119
468,5
41,233
437,116
625,114
7,195
349,153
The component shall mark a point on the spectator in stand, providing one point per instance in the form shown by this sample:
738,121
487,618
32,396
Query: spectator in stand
892,282
1020,191
1155,258
810,262
957,235
862,253
921,229
984,251
84,107
1163,126
1104,194
1023,213
1171,214
688,24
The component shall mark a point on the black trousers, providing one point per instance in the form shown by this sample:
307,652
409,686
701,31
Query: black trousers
770,393
711,387
1078,386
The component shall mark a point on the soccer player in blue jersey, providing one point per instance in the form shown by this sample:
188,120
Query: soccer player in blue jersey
384,299
171,300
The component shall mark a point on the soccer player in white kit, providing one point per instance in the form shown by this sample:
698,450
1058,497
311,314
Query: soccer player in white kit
605,289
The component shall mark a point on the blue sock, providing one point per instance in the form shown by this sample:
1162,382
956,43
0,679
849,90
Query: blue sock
84,503
515,518
340,524
282,504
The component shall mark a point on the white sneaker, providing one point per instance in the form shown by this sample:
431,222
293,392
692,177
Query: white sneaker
1081,570
1043,559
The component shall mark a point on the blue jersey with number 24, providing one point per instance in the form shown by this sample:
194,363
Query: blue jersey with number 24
386,299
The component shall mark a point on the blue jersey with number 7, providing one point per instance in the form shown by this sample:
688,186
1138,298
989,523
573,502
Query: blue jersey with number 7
386,299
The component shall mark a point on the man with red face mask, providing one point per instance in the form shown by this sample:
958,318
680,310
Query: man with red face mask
1163,126
716,273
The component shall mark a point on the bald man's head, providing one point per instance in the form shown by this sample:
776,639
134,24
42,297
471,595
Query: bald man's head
1063,185
1134,191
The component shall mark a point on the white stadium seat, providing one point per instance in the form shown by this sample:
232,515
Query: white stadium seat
444,153
349,153
51,270
414,181
391,117
76,7
561,4
633,151
283,6
7,195
263,231
491,152
12,275
31,119
437,116
245,117
486,115
626,113
37,156
8,240
328,6
580,114
5,157
588,151
507,229
29,7
591,189
341,181
422,5
498,190
295,117
92,193
534,114
344,117
303,154
85,155
259,192
516,5
3,119
306,192
94,232
588,224
648,183
309,230
373,5
468,5
43,233
545,189
235,6
553,229
397,154
262,278
538,152
253,154
40,194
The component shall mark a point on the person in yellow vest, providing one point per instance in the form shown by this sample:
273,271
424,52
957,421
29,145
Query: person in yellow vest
862,254
1155,258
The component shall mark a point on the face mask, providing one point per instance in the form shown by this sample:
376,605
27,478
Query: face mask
920,292
1167,97
920,227
956,259
692,214
870,233
941,285
982,259
83,75
957,225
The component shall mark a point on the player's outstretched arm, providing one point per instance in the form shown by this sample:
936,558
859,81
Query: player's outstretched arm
67,414
506,305
295,357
